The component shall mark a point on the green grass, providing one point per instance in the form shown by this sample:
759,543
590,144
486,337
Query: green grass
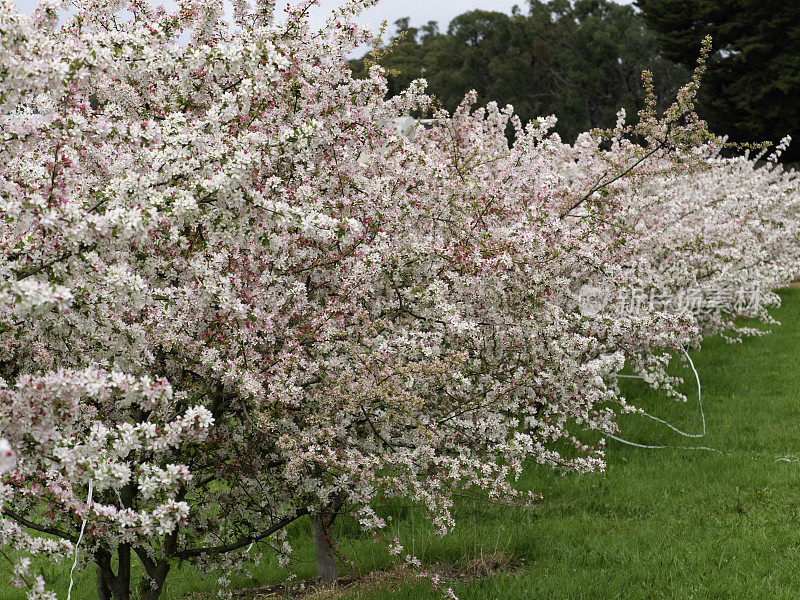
658,524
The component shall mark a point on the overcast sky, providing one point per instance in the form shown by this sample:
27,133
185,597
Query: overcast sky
420,11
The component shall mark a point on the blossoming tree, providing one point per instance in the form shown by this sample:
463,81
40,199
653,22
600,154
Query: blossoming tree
233,296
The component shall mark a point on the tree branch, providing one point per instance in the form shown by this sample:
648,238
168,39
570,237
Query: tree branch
600,184
240,543
40,528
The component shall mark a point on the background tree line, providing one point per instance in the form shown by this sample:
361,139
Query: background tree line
583,60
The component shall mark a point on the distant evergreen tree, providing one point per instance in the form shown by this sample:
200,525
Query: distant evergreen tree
752,88
581,61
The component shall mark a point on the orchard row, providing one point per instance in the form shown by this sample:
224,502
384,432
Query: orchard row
233,295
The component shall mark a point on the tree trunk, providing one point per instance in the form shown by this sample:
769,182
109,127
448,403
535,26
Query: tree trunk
326,560
109,585
103,593
158,576
124,570
156,571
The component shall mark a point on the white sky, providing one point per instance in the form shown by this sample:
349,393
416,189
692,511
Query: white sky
420,11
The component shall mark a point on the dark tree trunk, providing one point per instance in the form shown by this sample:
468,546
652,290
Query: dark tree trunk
103,593
156,570
159,576
124,571
117,586
326,559
109,583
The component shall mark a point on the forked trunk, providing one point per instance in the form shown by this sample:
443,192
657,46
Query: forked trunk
158,577
117,586
110,585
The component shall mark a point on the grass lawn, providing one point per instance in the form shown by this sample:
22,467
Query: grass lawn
670,523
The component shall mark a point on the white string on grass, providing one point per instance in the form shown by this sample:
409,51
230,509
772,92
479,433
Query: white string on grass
613,437
683,433
662,447
699,402
789,459
80,537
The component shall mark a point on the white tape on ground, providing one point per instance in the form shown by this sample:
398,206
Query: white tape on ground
683,433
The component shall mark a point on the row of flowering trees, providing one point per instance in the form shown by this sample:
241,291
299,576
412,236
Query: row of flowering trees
232,296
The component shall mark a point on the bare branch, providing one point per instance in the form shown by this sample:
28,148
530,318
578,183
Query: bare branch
240,543
40,528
